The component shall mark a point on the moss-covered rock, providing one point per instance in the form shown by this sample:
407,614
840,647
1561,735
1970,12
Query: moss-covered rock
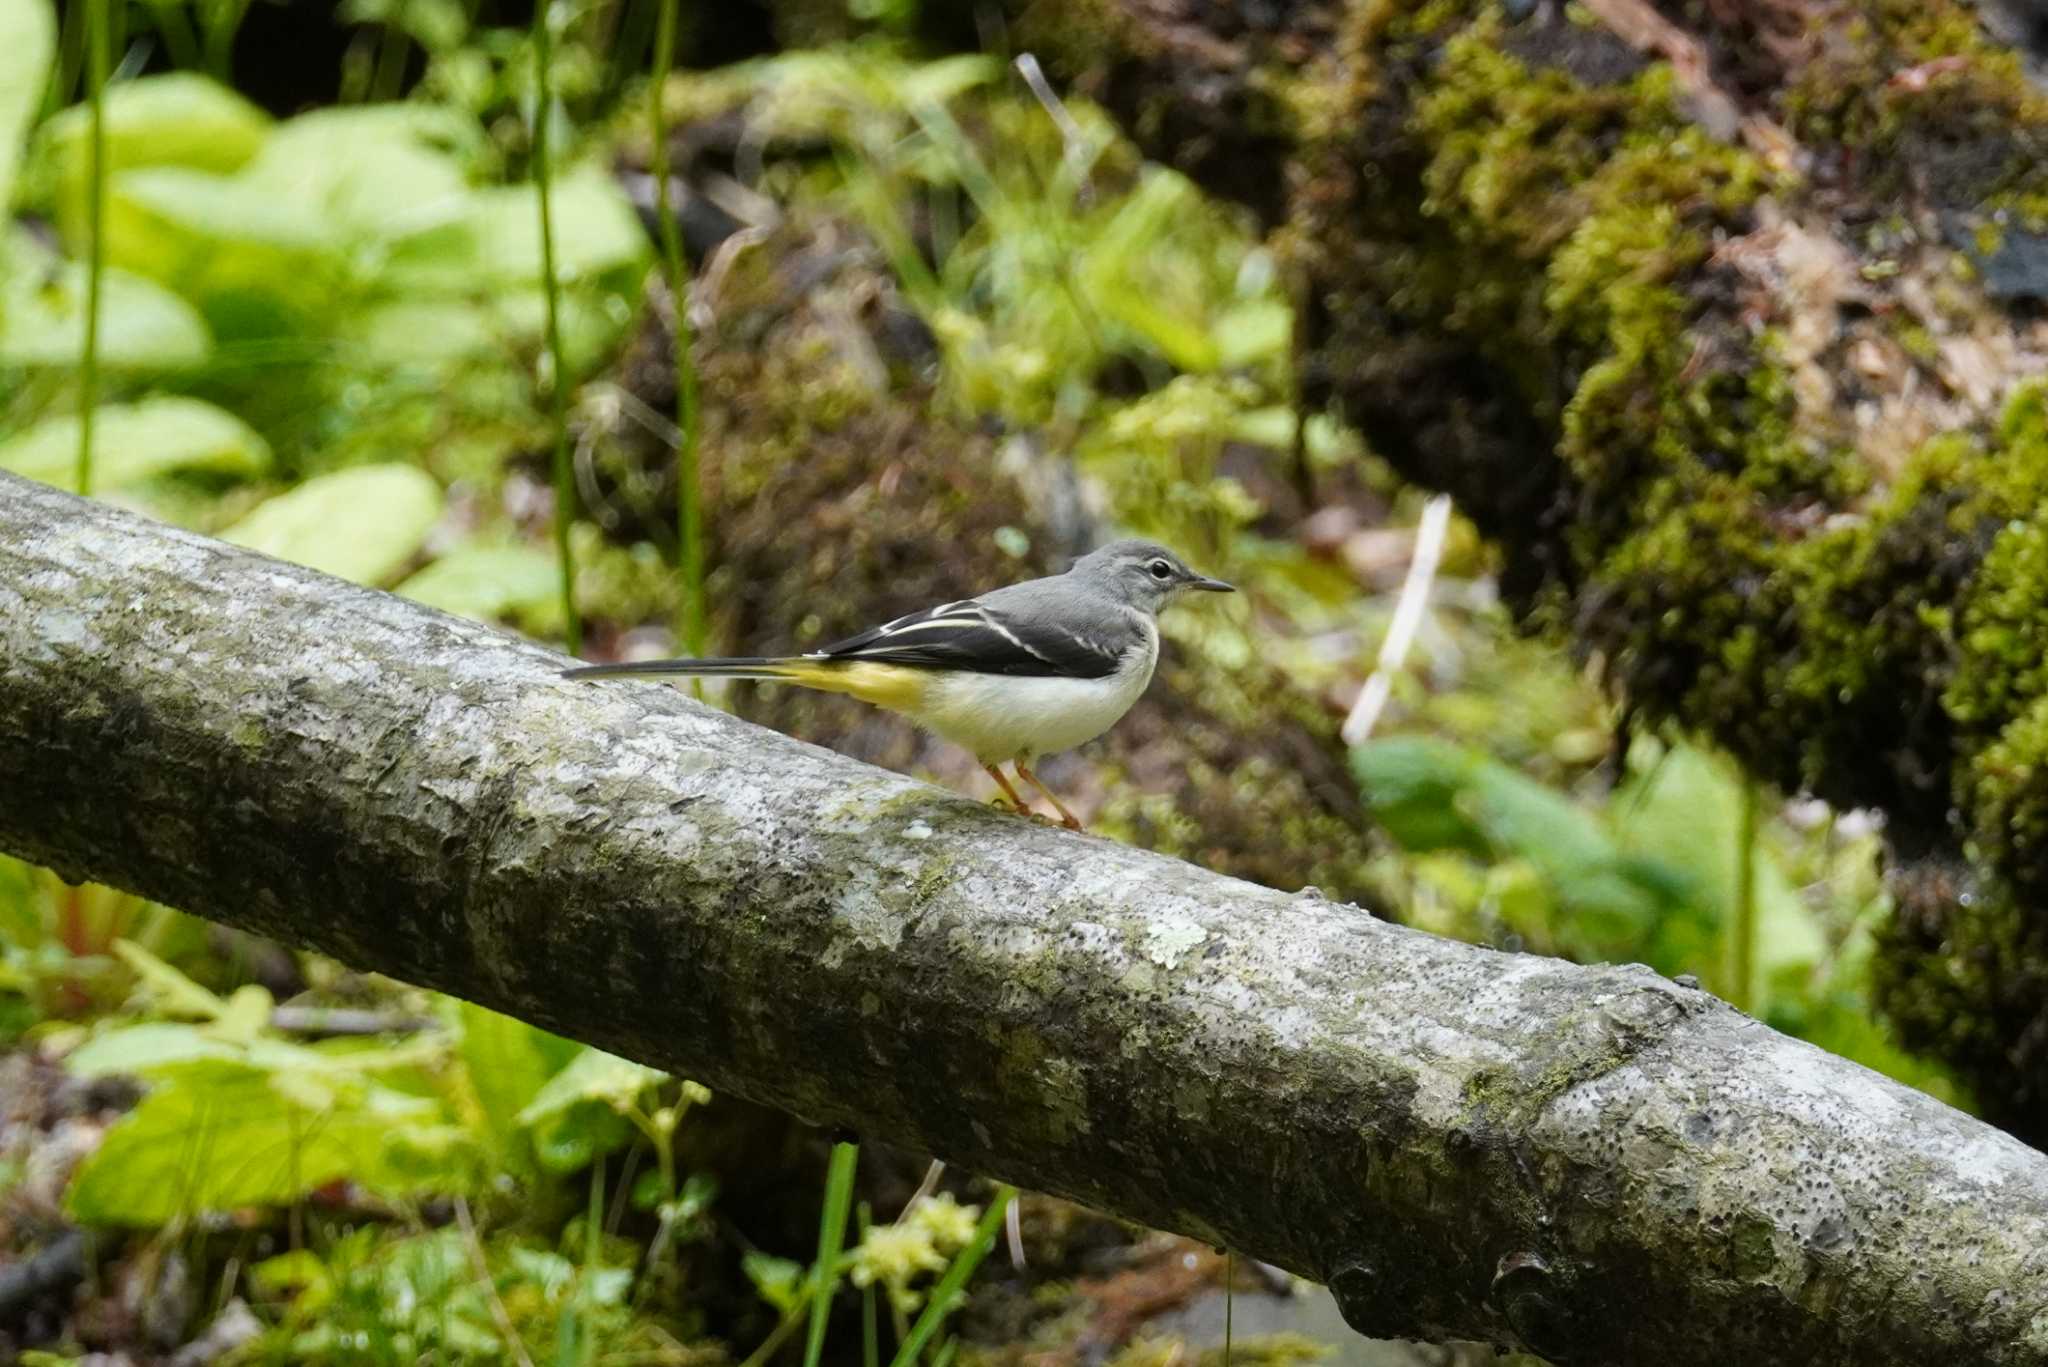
1683,303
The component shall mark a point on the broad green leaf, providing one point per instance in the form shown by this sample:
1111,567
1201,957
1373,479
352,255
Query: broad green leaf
217,1135
178,119
361,524
139,441
172,992
141,1049
28,42
1413,785
425,331
486,582
577,1137
576,1116
42,314
155,1046
364,173
593,1075
596,229
1684,810
256,263
508,1062
1432,795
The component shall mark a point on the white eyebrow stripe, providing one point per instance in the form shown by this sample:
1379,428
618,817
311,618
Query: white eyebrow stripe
1014,639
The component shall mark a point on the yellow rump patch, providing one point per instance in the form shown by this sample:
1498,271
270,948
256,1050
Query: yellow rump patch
896,687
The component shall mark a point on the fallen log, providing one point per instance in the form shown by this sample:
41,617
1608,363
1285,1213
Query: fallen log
1594,1162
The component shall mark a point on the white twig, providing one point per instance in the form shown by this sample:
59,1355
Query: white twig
1070,130
1013,1228
924,1188
1429,549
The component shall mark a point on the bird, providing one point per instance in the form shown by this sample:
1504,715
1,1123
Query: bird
1011,676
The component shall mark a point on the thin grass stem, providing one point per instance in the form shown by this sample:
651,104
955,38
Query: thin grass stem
831,1239
96,252
558,374
690,620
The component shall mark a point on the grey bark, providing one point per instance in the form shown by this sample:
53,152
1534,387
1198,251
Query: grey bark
1596,1162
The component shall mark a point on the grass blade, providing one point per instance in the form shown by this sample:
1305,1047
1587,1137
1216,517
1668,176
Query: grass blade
690,624
558,376
870,1331
1229,1301
940,1303
96,213
831,1239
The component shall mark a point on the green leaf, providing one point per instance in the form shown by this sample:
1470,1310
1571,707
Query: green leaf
28,44
596,230
1412,784
423,331
486,582
139,441
178,119
141,1049
172,992
508,1062
218,1135
778,1280
1432,795
245,1016
576,1117
593,1075
42,314
365,173
257,264
361,524
1684,810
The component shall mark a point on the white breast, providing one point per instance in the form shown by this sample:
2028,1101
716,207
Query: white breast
1001,717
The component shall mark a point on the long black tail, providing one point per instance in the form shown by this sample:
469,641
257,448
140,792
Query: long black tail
736,666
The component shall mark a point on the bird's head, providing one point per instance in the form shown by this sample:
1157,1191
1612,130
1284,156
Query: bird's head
1142,574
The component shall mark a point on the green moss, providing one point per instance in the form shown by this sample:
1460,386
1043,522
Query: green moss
1505,208
1963,975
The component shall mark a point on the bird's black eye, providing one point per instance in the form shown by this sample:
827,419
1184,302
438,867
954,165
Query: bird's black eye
1160,569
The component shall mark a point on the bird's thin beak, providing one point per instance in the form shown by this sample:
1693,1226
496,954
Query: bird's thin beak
1208,585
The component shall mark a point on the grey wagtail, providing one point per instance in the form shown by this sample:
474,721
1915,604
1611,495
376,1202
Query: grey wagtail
1017,673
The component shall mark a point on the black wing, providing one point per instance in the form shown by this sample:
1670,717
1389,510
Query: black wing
970,635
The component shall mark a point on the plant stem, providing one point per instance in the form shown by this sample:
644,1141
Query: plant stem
1229,1300
784,1327
181,40
831,1238
690,622
558,377
96,212
1742,935
940,1303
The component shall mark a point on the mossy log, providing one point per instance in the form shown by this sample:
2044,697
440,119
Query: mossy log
1719,317
1598,1163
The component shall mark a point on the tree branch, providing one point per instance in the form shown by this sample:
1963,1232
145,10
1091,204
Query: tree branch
1596,1162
